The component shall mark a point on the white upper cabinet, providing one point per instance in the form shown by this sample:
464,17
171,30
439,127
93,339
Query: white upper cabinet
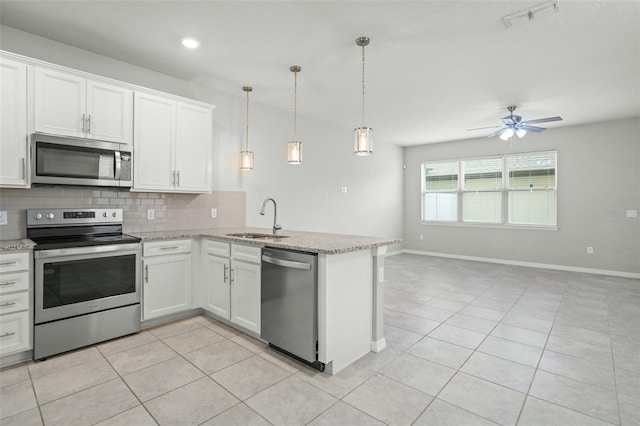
154,143
172,145
13,124
193,147
110,111
69,105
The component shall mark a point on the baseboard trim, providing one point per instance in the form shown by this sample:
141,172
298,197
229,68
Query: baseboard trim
567,268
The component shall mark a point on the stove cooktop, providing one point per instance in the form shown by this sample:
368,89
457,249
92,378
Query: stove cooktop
48,243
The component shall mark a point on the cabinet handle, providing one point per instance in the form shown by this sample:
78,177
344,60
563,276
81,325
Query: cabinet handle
8,283
173,182
7,304
8,263
8,334
225,274
24,168
169,248
178,178
231,278
83,124
89,124
146,273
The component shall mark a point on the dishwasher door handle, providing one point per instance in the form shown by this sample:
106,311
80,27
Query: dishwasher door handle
286,263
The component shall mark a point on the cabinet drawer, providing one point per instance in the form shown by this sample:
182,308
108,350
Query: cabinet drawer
217,248
14,302
14,332
160,248
14,282
246,253
14,262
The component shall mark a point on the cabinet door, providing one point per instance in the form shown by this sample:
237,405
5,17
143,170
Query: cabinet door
154,143
13,123
60,103
218,288
245,295
167,285
193,148
109,112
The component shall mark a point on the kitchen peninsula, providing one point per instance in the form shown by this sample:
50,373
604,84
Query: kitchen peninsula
350,289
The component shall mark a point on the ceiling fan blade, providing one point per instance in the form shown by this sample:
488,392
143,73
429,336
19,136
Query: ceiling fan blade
531,128
483,128
542,120
508,121
496,133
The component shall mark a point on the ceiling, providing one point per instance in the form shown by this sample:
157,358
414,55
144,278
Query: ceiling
433,68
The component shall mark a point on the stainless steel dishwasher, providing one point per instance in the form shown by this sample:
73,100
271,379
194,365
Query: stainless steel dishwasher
289,296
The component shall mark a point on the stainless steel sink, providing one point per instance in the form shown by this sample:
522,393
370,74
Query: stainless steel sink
257,236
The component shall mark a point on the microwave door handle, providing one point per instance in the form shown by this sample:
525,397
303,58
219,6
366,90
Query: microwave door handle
118,166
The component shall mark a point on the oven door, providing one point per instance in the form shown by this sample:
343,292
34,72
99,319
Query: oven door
77,281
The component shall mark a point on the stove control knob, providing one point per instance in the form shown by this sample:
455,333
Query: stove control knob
104,214
37,216
114,214
50,215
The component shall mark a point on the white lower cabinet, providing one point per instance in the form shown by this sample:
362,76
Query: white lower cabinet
15,310
232,280
166,269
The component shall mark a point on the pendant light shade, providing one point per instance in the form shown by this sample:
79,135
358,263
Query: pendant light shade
246,156
363,137
363,144
294,147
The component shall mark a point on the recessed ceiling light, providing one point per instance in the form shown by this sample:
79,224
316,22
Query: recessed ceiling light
190,43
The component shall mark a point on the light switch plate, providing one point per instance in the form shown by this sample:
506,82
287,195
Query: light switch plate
3,217
151,214
214,213
632,213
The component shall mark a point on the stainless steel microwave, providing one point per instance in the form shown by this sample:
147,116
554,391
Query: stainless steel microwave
73,161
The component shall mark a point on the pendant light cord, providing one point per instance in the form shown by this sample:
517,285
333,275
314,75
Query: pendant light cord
295,105
363,86
246,140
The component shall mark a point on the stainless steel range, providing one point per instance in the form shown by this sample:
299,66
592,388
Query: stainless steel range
86,278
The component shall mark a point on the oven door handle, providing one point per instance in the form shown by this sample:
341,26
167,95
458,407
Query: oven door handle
88,251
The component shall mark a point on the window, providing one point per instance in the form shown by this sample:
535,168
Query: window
515,189
532,188
482,190
440,182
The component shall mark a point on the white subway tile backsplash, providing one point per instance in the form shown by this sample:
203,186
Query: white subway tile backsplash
172,211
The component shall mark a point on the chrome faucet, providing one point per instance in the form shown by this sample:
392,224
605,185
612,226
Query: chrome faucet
276,227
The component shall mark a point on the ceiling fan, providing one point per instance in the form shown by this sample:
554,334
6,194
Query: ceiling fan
513,125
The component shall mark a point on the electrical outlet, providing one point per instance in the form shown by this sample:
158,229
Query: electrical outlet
421,237
151,214
344,189
214,213
3,217
632,213
589,250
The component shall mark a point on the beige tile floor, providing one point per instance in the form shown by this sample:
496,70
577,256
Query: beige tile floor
469,344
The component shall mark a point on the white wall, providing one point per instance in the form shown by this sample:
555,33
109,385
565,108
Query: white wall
598,180
308,195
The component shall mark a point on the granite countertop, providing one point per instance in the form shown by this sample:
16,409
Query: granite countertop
16,245
314,242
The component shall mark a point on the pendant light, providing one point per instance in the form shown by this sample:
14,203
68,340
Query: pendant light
294,147
363,143
246,156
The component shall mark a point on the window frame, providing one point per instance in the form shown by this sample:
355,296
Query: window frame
505,193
